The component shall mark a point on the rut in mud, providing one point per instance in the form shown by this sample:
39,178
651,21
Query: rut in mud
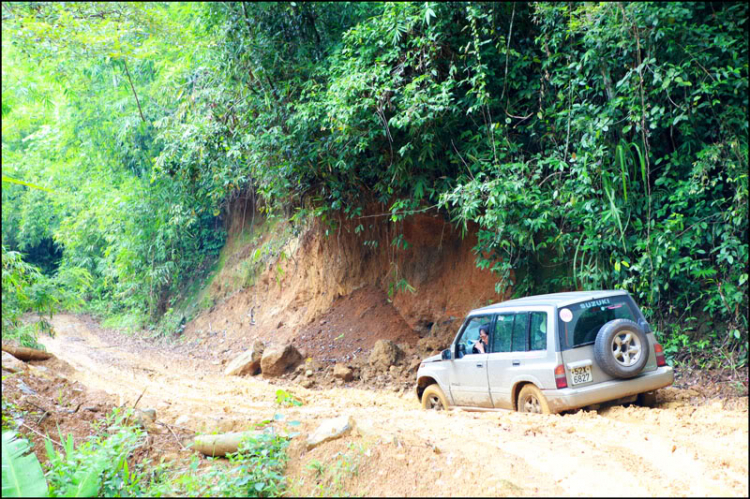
674,449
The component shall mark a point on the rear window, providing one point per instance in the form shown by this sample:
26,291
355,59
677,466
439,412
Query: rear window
579,323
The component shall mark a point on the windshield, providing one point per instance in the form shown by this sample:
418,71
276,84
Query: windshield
579,323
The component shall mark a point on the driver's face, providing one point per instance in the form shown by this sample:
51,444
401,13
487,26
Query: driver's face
483,335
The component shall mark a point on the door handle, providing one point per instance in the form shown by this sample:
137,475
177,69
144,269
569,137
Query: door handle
480,365
516,362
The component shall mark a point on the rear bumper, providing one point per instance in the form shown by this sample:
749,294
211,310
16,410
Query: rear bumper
572,398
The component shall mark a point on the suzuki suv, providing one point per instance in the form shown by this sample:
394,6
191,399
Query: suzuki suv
547,354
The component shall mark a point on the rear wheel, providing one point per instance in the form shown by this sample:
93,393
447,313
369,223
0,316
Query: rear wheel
434,399
531,399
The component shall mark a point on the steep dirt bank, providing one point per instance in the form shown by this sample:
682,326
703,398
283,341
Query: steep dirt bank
677,448
300,291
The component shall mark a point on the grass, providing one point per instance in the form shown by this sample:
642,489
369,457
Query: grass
259,246
127,322
256,470
331,479
226,276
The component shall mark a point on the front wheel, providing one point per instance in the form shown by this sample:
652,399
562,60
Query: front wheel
434,399
531,399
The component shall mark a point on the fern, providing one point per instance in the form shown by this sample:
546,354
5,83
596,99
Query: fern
22,474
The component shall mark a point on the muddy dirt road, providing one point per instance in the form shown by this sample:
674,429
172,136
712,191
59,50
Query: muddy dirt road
674,449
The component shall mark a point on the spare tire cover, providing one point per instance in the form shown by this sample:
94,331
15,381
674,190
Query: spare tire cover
621,348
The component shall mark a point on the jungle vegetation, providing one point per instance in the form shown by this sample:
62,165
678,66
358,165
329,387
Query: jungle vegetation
594,145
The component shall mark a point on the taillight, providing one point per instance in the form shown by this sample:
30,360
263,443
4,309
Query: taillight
560,380
659,351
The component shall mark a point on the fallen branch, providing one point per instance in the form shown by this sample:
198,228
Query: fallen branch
26,354
139,398
173,434
220,445
42,435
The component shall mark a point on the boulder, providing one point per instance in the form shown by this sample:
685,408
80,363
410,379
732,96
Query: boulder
146,419
247,362
277,359
12,364
414,365
148,415
182,420
331,429
444,329
384,354
343,372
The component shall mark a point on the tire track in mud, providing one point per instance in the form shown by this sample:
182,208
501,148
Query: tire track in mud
675,449
697,452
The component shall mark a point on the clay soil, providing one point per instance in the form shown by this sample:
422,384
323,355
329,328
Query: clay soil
352,325
688,445
47,400
331,285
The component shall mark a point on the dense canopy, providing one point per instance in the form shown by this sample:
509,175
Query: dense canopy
594,145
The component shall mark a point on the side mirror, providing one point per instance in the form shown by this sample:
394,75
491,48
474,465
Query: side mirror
446,354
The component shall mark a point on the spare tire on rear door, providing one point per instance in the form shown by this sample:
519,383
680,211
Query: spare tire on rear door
621,348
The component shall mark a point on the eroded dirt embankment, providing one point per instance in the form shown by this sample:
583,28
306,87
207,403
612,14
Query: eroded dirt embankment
399,295
677,448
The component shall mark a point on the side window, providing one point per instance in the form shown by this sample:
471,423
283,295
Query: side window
520,327
538,331
471,332
503,329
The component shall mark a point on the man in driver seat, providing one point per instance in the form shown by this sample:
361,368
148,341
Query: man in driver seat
483,345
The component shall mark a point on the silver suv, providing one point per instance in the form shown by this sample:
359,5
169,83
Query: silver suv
547,354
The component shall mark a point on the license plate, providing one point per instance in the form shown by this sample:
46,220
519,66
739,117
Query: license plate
581,375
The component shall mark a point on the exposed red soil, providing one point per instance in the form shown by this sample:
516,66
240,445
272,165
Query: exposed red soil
335,284
49,402
352,326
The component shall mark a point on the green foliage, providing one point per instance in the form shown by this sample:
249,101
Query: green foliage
582,136
99,466
591,145
255,470
102,466
26,289
22,474
330,479
11,413
83,89
286,399
673,230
